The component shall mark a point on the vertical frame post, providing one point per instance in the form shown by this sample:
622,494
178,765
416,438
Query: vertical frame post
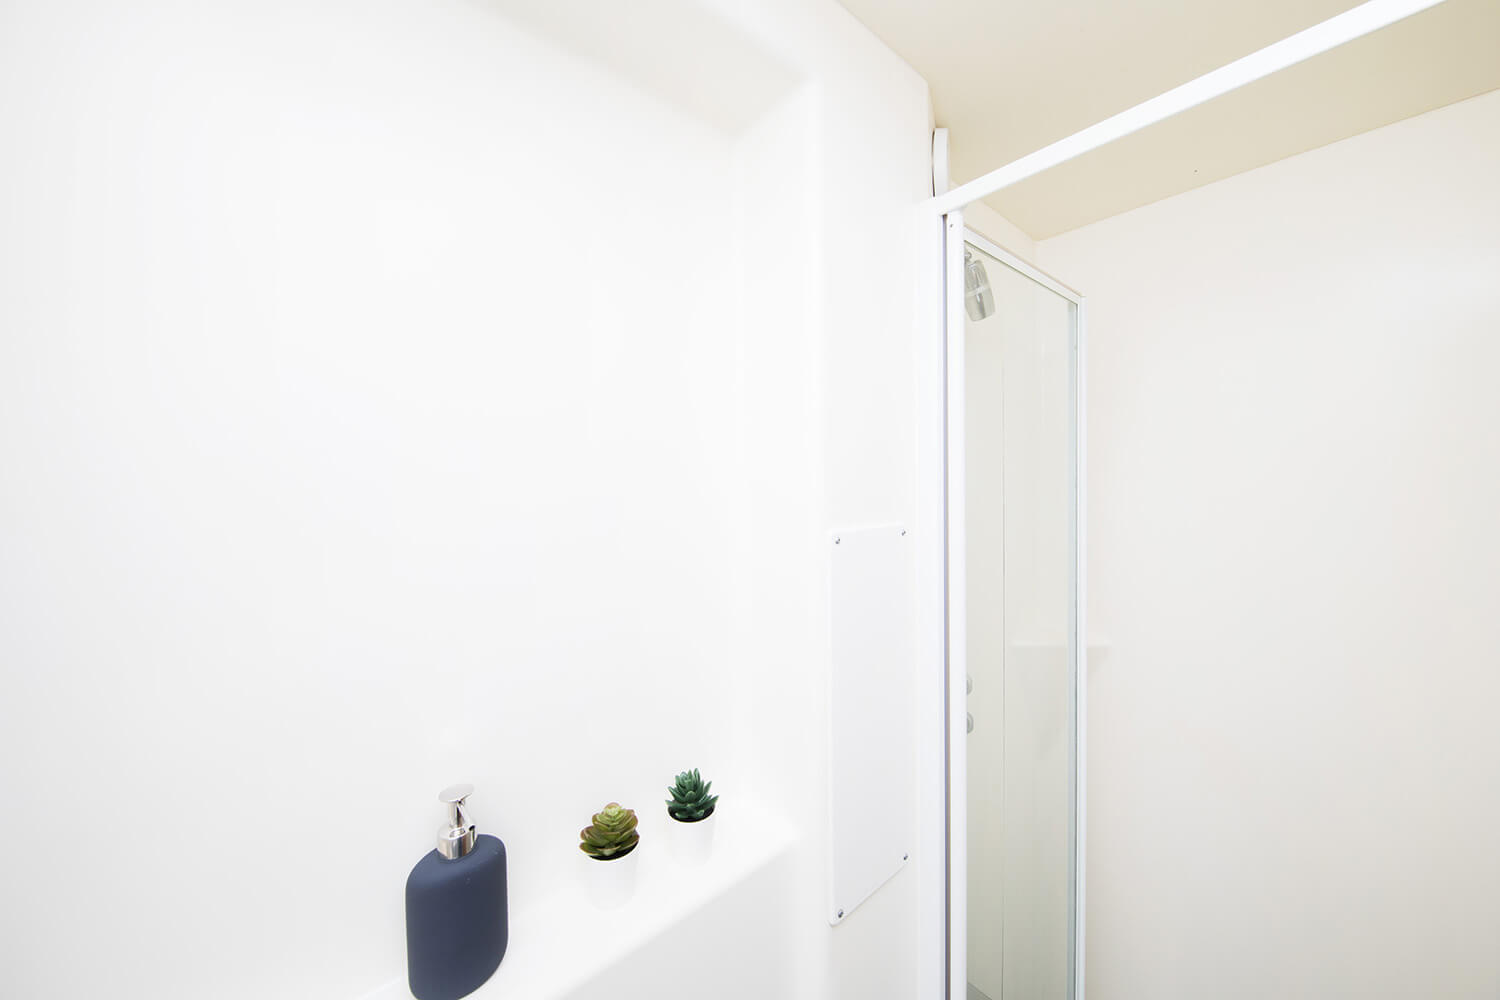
1080,680
956,602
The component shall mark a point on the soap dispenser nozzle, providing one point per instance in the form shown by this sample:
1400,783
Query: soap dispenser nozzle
457,838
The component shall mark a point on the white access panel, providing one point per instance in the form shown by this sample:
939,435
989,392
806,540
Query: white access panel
872,752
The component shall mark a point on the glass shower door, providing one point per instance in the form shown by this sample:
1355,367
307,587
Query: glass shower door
1020,523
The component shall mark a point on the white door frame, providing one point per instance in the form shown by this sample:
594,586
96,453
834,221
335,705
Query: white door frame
956,660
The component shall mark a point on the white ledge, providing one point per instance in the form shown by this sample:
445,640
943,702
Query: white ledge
544,958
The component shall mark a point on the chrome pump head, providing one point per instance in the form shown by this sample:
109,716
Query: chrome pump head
979,300
456,838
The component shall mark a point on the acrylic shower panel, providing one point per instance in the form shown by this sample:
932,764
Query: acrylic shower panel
871,723
1019,495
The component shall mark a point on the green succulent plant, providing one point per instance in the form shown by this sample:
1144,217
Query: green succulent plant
612,834
690,801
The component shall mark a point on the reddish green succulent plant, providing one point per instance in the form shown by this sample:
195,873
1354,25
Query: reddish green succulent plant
612,835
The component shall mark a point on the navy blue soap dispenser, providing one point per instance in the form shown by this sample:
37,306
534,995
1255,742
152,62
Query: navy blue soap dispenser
457,919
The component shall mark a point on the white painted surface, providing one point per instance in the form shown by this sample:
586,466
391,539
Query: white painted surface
931,700
1293,479
871,726
401,393
872,164
956,592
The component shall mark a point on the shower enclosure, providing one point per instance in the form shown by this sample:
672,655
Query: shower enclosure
1014,629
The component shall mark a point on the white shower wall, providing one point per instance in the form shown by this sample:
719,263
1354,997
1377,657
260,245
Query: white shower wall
397,393
1293,480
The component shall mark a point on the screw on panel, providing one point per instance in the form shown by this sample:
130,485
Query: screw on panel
903,532
837,539
841,914
905,856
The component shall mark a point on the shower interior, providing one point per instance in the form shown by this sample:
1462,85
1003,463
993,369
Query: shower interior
1019,341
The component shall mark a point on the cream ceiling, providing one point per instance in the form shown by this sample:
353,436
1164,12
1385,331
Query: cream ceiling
1009,77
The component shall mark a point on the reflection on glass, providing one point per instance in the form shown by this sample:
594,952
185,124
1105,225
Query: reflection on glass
1019,521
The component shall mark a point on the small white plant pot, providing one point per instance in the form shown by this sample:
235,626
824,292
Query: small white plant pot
610,884
691,844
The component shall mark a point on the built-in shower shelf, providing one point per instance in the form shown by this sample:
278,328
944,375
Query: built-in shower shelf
560,943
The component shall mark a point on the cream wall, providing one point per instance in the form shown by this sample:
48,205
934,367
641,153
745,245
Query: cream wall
1293,480
999,230
398,393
